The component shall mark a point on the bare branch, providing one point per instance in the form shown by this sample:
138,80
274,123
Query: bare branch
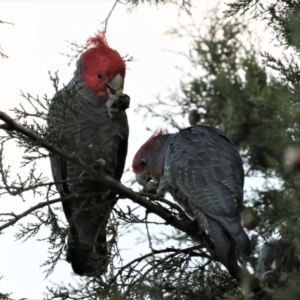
1,52
3,22
174,251
109,15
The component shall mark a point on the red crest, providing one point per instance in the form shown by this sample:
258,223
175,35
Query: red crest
135,164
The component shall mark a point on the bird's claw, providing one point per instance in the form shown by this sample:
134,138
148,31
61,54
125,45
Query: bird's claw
150,187
97,165
117,103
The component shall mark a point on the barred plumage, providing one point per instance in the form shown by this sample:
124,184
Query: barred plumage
81,123
203,171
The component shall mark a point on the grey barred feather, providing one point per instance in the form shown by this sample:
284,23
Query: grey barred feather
204,173
84,127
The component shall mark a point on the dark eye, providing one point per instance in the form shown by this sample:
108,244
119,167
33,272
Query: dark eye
100,76
143,162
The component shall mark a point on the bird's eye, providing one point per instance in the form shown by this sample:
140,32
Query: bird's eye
143,162
100,76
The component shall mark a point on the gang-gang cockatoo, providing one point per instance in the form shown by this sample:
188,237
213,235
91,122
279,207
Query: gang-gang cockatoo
202,170
88,117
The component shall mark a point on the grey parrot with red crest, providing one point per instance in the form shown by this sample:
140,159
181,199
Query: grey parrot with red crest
88,115
202,170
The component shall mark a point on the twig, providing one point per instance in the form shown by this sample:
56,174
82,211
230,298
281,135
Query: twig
161,261
150,245
38,206
153,251
18,190
108,16
3,22
1,53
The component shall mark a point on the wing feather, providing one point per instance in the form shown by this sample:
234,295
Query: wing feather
202,162
81,121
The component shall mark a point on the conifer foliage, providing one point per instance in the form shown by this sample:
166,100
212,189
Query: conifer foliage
254,98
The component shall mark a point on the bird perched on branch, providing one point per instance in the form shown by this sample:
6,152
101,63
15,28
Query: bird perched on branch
88,117
202,170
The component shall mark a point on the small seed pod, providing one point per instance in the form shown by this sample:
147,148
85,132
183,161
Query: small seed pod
249,219
292,159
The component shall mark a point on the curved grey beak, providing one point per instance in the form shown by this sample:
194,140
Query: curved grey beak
142,178
117,101
115,86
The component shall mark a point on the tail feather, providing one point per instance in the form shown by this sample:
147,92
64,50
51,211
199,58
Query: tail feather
87,244
234,228
224,245
87,259
243,241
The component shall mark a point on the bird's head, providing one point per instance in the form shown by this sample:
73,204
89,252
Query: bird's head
147,162
102,68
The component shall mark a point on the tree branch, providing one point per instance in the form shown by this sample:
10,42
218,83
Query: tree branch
187,226
3,22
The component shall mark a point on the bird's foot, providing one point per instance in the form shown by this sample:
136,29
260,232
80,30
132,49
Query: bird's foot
150,187
117,103
97,165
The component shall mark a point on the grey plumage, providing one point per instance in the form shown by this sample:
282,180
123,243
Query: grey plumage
204,173
80,122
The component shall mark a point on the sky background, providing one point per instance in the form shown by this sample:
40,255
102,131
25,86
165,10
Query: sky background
34,46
